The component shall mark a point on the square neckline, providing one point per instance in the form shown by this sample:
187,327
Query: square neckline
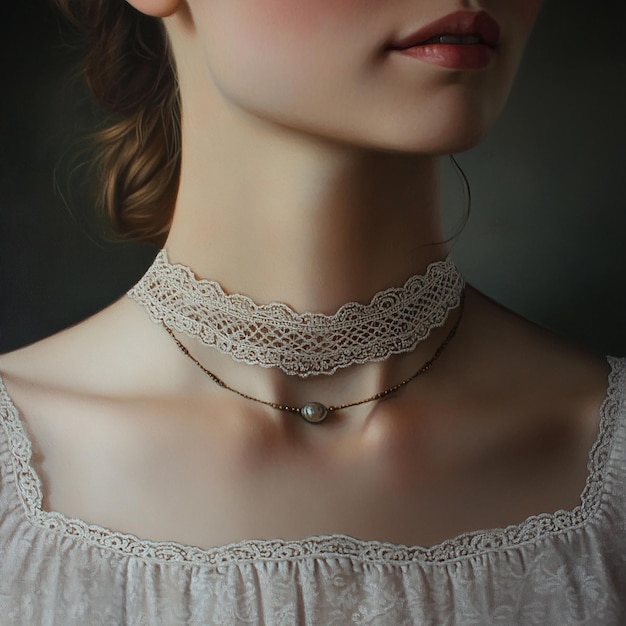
467,545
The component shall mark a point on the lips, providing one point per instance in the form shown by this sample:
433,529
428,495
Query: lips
460,28
465,40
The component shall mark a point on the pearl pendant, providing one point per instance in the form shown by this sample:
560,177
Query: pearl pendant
314,412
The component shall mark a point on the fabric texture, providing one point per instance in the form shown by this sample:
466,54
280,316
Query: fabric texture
302,344
561,569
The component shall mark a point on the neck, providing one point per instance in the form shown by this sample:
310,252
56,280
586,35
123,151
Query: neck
283,216
280,215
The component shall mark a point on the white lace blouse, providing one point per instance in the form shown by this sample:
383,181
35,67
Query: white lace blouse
561,569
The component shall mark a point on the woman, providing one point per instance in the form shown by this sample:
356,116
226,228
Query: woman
198,458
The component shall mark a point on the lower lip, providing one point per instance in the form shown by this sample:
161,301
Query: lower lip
451,56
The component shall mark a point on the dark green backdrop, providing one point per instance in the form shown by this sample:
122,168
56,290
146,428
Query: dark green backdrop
547,231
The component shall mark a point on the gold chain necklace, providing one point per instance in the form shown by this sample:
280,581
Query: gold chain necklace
315,412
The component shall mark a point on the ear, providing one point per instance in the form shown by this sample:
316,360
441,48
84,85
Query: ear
156,8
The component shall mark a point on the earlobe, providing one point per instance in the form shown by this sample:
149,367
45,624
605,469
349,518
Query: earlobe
156,8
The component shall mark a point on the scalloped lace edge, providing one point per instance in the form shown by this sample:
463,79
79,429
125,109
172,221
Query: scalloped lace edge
303,344
466,545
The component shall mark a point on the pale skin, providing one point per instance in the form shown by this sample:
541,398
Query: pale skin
310,176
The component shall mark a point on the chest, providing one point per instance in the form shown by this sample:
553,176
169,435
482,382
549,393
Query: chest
210,479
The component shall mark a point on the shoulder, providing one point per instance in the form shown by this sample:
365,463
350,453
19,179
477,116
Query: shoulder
95,386
117,352
520,349
530,372
91,355
545,402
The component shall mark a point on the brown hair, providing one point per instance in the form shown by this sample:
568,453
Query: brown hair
129,68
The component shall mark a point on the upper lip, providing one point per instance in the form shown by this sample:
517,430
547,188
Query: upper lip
480,24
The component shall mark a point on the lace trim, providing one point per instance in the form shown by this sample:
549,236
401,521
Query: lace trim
305,344
338,545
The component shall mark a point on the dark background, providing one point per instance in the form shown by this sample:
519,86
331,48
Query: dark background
548,227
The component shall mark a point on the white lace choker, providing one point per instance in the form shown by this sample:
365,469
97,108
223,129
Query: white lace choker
304,344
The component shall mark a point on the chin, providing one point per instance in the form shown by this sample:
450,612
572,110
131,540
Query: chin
450,120
428,135
434,135
446,141
438,126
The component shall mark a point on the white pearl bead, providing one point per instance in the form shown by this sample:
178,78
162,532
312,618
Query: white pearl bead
314,412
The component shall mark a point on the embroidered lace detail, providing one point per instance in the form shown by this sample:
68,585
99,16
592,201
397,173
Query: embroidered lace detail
274,335
337,546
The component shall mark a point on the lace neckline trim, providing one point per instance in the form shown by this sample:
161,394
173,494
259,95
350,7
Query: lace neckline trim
302,344
464,546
